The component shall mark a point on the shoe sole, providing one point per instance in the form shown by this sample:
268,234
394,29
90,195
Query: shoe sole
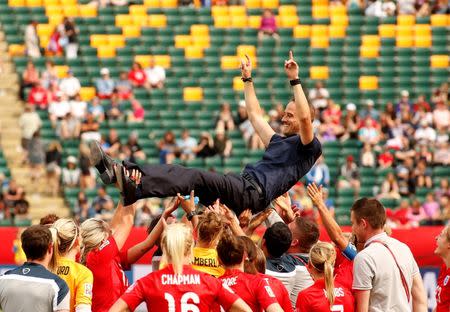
96,153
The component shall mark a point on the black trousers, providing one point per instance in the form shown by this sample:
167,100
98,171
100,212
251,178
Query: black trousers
167,180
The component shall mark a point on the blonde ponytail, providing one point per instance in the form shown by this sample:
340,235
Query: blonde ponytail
177,243
93,233
66,235
322,258
53,264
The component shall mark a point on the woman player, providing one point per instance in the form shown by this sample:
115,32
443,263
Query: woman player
178,287
443,287
254,290
79,278
325,294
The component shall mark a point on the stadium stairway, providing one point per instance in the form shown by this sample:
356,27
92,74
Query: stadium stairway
11,108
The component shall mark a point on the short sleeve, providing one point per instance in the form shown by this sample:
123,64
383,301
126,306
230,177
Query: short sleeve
225,296
134,295
363,272
84,289
108,249
350,252
63,296
264,294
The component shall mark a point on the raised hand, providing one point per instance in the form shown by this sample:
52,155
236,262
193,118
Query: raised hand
246,67
171,207
315,193
291,67
188,205
244,218
135,175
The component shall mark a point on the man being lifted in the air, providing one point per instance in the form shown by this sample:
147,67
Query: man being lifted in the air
285,161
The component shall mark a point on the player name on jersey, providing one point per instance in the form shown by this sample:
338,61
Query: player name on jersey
208,262
180,279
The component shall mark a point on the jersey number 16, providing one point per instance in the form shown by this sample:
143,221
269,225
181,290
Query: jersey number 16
185,306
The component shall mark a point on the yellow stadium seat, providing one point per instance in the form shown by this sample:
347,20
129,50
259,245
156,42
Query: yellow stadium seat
440,20
193,52
340,20
238,21
254,21
404,31
234,10
319,31
423,41
106,51
318,72
335,31
152,3
162,60
440,61
55,19
68,2
87,93
182,41
238,84
116,41
222,21
61,71
50,2
140,20
320,2
169,3
99,40
16,3
16,49
43,41
406,20
368,82
287,10
123,20
270,4
370,41
131,31
302,31
242,50
219,11
192,94
229,62
45,29
320,42
404,42
201,41
87,10
70,10
53,10
387,31
253,4
144,60
157,20
369,51
199,30
289,21
137,9
338,10
33,3
422,30
320,11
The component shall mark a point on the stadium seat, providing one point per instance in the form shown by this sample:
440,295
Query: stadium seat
439,61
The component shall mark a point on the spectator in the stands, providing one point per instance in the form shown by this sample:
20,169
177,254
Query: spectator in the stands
370,110
442,154
443,189
424,153
440,94
12,193
423,8
404,102
416,214
422,115
380,8
329,131
268,27
90,129
351,121
421,103
425,134
36,156
58,109
431,207
333,112
29,123
113,143
406,7
349,175
30,77
87,172
274,121
367,156
54,46
70,85
53,166
300,198
222,144
205,147
405,178
156,75
115,109
441,116
49,75
104,85
186,145
70,127
369,133
137,76
71,174
32,44
133,150
138,112
71,32
225,118
385,159
82,208
167,147
103,204
319,96
97,110
78,108
422,174
389,187
319,173
124,87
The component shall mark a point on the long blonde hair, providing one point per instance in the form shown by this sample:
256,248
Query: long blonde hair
93,233
322,258
66,235
177,243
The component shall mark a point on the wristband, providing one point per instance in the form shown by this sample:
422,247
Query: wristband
191,214
249,79
295,82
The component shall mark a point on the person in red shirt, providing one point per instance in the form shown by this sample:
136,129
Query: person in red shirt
38,96
325,294
178,287
254,290
443,287
137,76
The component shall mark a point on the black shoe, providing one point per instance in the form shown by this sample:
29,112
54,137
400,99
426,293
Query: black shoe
126,186
102,162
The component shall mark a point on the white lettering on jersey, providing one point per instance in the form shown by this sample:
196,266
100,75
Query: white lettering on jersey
180,279
88,289
338,292
105,243
231,281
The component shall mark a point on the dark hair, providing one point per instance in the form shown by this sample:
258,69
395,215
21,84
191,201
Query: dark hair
230,250
371,210
35,241
308,233
252,252
278,239
48,219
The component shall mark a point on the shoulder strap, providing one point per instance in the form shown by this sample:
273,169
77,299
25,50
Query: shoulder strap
402,276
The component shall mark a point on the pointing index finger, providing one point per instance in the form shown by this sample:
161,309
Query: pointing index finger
291,56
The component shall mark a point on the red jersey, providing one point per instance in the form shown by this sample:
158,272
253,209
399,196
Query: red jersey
253,289
38,97
193,290
313,299
280,292
443,290
110,281
138,77
343,270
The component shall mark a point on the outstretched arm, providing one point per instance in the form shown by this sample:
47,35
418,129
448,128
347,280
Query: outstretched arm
301,103
255,115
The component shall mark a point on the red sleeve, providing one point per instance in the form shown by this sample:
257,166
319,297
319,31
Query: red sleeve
302,304
123,254
134,295
225,296
264,294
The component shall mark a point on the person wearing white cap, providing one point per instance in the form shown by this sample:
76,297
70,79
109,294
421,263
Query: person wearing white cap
351,122
370,110
425,134
104,85
156,75
405,102
71,174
